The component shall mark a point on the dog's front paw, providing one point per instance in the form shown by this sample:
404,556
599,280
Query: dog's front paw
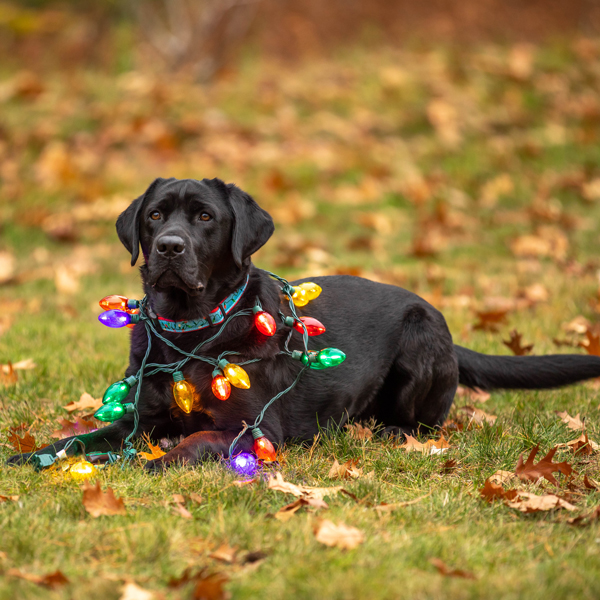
156,466
19,459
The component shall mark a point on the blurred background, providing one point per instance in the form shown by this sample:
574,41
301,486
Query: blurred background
448,147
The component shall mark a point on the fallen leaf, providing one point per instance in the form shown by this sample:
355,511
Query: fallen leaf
346,471
8,375
86,402
211,587
358,432
132,591
277,483
51,580
22,445
7,267
574,423
99,503
474,395
529,503
285,513
22,365
544,468
446,571
477,416
581,445
182,511
501,477
155,451
430,447
587,518
8,498
449,466
492,491
338,535
69,428
224,553
490,320
577,325
592,344
514,343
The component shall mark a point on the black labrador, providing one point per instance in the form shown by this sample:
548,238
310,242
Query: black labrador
402,368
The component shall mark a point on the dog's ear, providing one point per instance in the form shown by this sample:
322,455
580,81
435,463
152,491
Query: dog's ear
252,226
128,224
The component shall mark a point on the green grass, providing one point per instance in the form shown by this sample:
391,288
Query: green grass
322,131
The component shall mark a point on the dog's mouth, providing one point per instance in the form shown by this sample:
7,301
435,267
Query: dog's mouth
169,279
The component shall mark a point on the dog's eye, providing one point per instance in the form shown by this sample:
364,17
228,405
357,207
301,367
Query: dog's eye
205,217
155,215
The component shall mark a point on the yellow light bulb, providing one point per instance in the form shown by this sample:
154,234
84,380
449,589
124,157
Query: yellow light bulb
312,289
82,470
300,297
237,376
183,392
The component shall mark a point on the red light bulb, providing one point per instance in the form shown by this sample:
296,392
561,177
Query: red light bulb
264,449
313,326
221,388
265,323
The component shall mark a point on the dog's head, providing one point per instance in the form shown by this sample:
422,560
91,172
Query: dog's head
196,236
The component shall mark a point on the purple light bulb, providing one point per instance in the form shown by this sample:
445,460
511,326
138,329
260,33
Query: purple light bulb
115,318
244,463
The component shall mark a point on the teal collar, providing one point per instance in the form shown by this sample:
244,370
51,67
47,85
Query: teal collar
214,318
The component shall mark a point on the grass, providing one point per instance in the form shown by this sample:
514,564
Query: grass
326,148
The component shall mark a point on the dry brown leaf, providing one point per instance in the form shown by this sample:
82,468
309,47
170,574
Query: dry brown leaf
346,471
449,466
211,587
529,503
529,471
582,445
474,395
86,402
8,498
430,447
285,513
501,477
577,325
446,571
132,591
99,503
225,553
22,365
68,428
587,518
358,432
574,423
277,483
514,343
8,375
490,320
24,444
492,491
592,344
182,511
477,416
338,535
51,580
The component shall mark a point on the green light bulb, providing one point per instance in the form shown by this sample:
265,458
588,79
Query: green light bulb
116,392
330,357
112,411
313,365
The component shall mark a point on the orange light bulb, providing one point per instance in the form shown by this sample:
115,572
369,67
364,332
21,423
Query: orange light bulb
264,449
113,302
221,388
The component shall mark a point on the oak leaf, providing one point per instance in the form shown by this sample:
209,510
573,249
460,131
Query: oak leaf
587,518
51,580
514,343
592,344
225,553
501,477
211,587
489,320
358,432
472,394
492,491
23,444
430,447
302,491
86,402
477,416
338,535
8,499
155,451
529,503
574,423
345,471
68,428
132,591
99,503
582,445
8,375
285,513
529,471
446,571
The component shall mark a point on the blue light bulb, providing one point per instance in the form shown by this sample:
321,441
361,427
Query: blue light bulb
115,318
244,463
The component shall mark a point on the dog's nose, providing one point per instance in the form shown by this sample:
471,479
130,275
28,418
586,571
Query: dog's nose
170,245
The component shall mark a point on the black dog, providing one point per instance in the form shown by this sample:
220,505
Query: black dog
402,368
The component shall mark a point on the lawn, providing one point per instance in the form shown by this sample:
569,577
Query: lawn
468,175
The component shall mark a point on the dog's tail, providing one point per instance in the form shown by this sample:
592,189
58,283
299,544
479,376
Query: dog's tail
523,372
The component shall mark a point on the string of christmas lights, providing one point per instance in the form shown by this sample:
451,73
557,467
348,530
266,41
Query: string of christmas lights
120,311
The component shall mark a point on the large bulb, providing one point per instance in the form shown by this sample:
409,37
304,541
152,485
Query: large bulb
311,289
115,318
300,296
265,323
221,388
236,375
116,392
115,302
244,463
313,326
183,392
331,357
82,470
112,411
264,449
